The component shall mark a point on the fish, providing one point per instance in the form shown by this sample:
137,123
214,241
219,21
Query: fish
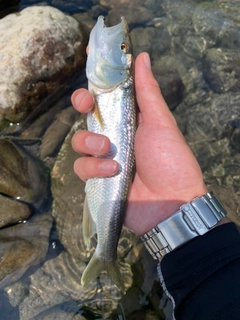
109,70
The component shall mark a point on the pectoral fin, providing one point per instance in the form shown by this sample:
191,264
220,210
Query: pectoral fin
88,225
97,114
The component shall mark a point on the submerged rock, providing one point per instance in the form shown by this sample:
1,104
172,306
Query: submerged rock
221,69
135,15
52,47
12,211
170,84
22,176
21,246
57,132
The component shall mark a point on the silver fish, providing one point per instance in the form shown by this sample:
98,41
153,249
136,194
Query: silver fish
110,79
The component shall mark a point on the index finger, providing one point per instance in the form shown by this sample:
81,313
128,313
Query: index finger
82,100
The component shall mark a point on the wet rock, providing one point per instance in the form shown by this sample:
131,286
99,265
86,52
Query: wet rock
86,20
56,133
52,47
154,6
12,211
112,3
59,314
22,176
200,18
170,84
53,284
16,292
190,73
154,40
22,246
58,283
221,69
135,15
72,6
144,315
209,151
224,27
97,11
68,195
211,119
142,39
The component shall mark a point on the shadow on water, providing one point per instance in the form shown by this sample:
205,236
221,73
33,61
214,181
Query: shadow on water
194,48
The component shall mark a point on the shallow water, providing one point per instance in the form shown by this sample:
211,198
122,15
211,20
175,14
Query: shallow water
194,48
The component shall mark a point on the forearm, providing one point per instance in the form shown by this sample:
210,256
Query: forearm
202,277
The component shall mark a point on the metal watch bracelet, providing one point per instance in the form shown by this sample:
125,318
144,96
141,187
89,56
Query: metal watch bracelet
194,218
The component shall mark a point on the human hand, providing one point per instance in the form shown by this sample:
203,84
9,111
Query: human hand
167,173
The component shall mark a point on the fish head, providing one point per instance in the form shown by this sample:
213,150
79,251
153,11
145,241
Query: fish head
109,60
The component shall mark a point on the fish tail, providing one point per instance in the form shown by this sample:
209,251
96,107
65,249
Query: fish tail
96,265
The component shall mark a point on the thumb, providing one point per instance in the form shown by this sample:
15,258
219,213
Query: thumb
152,106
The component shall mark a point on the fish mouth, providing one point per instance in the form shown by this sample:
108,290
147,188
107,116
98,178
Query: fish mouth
111,31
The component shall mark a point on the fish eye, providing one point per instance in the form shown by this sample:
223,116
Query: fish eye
124,47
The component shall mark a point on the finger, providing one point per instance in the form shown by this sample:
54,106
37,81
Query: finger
87,142
82,100
150,100
87,167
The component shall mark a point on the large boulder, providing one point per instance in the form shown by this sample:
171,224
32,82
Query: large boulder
39,48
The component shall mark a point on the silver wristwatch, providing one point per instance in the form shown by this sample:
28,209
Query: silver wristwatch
194,218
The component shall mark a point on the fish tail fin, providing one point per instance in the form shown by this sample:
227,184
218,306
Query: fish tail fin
96,265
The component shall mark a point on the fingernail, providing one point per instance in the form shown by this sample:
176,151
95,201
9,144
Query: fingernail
109,166
79,99
147,61
95,143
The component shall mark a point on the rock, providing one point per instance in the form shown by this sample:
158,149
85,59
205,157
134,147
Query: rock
142,40
57,132
146,39
12,211
68,197
170,84
196,89
201,17
59,314
16,292
135,15
221,69
223,29
112,3
58,282
208,151
72,6
22,246
52,47
97,11
213,117
22,176
86,20
53,284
